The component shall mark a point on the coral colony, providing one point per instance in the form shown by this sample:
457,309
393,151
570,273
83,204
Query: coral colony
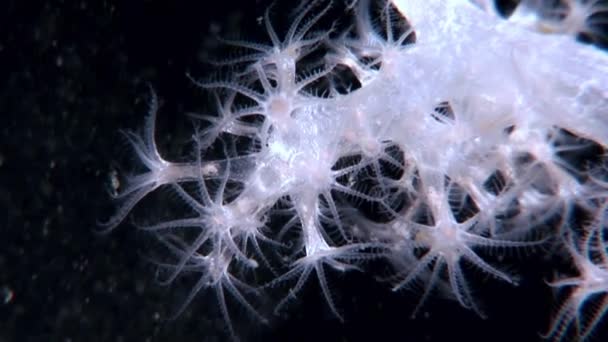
426,135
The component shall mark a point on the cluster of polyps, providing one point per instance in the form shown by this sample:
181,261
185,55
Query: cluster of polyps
422,142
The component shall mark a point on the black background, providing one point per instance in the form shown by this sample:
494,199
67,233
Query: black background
72,74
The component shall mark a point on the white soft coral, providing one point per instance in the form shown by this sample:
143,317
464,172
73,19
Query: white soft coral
577,317
446,244
567,17
438,114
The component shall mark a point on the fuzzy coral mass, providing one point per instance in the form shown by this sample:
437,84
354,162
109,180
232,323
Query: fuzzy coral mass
418,170
470,135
